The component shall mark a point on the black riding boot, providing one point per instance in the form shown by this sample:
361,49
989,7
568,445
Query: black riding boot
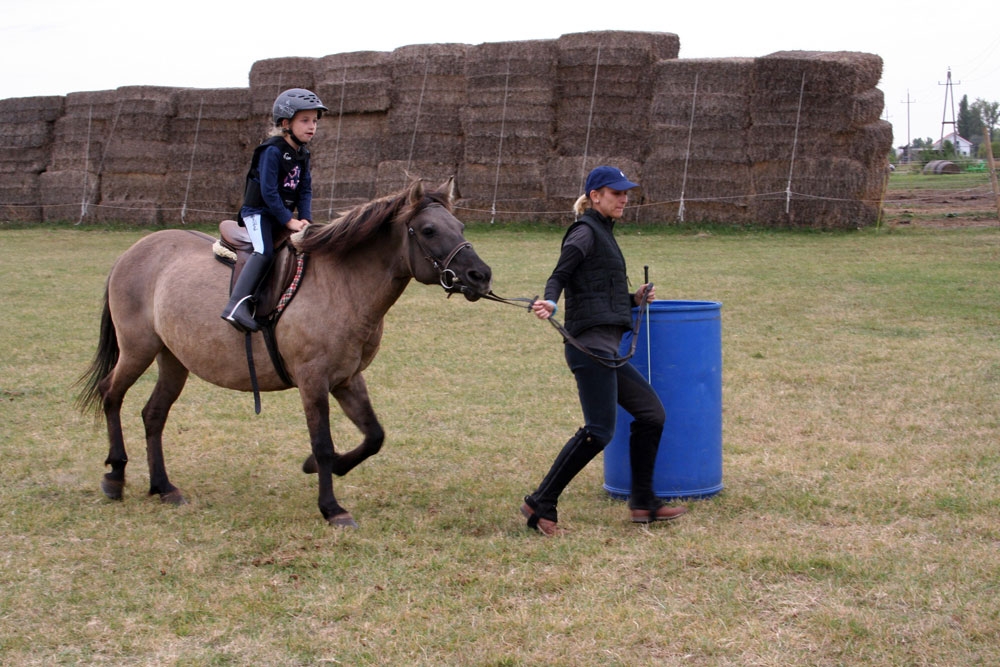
237,311
575,455
643,444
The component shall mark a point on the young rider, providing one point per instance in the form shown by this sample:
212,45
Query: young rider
278,184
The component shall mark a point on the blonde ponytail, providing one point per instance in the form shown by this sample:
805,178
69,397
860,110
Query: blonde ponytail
581,205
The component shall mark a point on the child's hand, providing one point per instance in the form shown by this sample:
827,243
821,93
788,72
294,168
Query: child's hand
296,225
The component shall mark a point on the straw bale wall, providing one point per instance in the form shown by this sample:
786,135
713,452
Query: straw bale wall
787,139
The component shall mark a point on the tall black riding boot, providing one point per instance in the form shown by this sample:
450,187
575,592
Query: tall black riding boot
237,311
575,455
643,444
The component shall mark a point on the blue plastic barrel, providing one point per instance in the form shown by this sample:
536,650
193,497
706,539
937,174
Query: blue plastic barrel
683,362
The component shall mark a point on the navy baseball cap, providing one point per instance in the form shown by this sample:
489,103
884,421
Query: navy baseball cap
608,177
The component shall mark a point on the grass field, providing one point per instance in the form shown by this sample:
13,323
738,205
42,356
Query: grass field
860,523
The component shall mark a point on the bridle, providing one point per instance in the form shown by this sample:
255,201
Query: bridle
447,277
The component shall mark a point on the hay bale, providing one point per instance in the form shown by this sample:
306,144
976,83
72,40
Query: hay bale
339,190
126,156
833,113
712,190
508,182
132,211
357,82
269,78
620,67
574,47
669,142
827,193
222,104
350,140
63,193
19,197
428,93
394,175
511,92
867,144
26,146
835,73
17,110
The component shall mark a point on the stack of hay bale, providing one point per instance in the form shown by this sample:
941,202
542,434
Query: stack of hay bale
508,123
519,123
70,185
27,127
424,131
698,123
348,147
839,144
135,156
604,86
268,78
210,151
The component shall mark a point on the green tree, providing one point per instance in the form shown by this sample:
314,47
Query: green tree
988,112
970,123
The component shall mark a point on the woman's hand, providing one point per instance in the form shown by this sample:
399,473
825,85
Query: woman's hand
296,225
543,309
650,291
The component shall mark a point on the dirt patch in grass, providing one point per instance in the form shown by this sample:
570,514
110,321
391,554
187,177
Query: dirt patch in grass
941,208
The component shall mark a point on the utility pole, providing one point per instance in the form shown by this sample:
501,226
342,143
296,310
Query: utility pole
908,102
948,92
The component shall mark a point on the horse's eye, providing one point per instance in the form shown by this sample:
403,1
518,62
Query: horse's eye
427,231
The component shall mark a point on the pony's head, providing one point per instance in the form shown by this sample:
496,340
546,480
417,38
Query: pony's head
436,247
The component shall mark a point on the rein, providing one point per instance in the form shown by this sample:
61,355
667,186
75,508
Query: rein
607,362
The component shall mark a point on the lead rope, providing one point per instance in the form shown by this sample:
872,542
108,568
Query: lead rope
607,362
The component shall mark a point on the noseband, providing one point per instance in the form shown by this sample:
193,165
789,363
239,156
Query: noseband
446,276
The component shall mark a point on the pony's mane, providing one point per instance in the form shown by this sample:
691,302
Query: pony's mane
364,222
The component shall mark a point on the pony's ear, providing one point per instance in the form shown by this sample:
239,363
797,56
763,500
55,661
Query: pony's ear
416,193
450,190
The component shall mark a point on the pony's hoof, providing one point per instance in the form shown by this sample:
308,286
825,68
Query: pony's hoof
112,488
309,465
174,497
344,520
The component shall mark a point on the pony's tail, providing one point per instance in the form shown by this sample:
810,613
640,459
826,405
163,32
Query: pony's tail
105,358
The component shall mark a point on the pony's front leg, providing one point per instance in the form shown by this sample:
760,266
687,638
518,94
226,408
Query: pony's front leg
353,399
316,403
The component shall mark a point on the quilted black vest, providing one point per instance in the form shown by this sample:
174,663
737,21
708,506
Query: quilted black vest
597,293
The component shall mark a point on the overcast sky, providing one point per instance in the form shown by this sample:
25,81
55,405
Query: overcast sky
55,47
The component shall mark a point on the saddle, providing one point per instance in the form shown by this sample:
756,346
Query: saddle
275,291
234,248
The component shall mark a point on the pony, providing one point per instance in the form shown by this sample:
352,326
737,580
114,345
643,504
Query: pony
162,301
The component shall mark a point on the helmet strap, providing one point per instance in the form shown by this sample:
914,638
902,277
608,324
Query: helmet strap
288,133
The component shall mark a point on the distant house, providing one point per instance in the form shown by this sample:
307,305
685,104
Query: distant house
962,145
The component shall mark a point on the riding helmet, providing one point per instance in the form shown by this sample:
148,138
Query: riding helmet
293,100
